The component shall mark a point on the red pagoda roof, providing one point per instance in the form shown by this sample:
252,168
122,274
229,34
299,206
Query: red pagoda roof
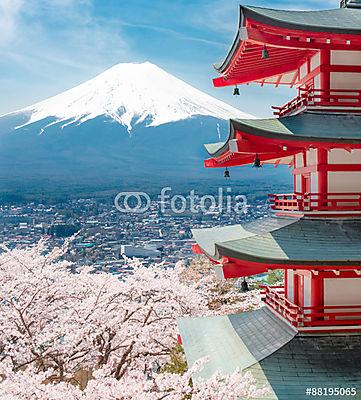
276,139
280,243
291,37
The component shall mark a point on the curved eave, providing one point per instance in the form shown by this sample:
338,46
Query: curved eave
221,66
281,243
274,138
283,263
245,259
240,264
289,35
214,148
337,21
220,148
318,128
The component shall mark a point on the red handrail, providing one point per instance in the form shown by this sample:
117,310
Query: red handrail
310,98
310,316
316,202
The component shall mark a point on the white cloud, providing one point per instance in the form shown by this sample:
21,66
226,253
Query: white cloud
48,46
9,16
222,16
63,32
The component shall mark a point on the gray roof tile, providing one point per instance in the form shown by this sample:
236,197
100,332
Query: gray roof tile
336,20
307,126
328,242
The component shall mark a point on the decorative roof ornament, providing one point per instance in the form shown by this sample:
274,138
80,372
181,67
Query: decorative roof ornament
350,4
244,286
257,162
265,54
236,91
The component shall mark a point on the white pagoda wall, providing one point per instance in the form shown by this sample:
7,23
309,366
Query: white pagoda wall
314,182
337,291
340,156
345,57
311,159
299,160
338,80
290,289
344,181
298,164
306,286
342,291
315,61
307,290
303,70
298,184
345,80
338,182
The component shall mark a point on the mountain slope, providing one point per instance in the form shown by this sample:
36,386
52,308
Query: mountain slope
85,138
130,94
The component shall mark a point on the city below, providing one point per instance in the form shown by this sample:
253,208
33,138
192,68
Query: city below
105,237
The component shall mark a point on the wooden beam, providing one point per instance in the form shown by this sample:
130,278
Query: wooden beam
252,76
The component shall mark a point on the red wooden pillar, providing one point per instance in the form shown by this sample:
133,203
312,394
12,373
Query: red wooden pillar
325,80
322,154
317,293
294,176
303,177
299,290
295,289
322,161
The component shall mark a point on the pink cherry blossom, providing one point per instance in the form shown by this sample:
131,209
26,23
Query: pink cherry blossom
92,335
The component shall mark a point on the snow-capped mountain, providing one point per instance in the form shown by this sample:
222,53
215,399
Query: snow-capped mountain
82,135
130,94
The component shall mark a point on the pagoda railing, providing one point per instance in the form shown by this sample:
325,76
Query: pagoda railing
337,100
299,317
316,202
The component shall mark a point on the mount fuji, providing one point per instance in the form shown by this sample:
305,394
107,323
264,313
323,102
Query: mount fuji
131,121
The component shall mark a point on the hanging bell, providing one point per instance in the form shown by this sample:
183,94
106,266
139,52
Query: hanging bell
236,91
257,162
265,54
244,286
226,174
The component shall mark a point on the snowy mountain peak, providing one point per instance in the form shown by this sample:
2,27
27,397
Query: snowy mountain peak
130,94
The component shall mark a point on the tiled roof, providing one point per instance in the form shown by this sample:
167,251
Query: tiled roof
340,20
284,240
262,332
233,341
307,127
259,342
312,361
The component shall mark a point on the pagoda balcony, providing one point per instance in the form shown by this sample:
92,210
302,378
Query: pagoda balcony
311,318
316,202
321,100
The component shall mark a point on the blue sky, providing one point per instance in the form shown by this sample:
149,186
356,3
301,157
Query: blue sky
48,46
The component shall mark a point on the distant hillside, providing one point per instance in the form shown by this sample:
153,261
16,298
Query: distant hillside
132,125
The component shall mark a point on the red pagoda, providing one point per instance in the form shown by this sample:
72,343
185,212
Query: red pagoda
308,334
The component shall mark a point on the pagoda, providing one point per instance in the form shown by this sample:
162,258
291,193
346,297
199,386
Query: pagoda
308,334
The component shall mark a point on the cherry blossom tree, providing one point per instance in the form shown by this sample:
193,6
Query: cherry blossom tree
222,296
29,384
73,333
